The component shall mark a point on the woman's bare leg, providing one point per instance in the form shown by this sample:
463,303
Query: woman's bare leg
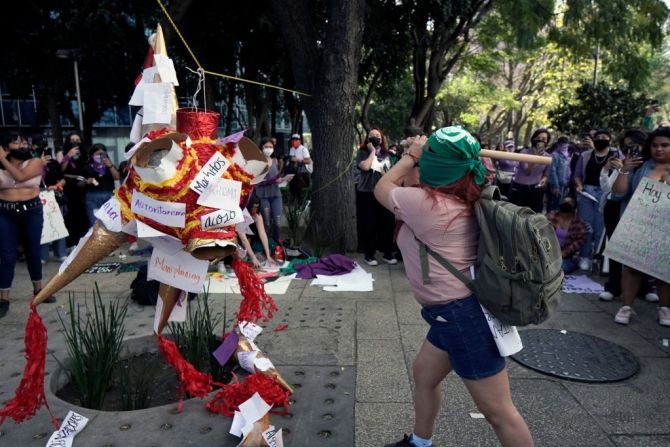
431,366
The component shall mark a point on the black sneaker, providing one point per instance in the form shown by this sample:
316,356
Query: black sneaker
4,307
404,442
371,261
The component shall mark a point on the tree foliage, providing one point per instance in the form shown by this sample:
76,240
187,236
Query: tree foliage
600,106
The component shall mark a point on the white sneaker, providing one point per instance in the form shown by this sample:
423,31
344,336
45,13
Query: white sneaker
584,264
371,261
62,258
605,296
623,316
133,247
390,261
651,298
664,316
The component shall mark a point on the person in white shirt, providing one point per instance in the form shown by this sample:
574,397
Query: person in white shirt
303,166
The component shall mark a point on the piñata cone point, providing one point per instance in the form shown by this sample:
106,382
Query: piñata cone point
245,345
255,437
169,295
101,243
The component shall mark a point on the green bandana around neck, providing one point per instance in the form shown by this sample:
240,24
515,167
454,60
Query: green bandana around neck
453,153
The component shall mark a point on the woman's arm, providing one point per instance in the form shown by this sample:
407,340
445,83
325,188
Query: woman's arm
366,164
21,174
621,184
393,178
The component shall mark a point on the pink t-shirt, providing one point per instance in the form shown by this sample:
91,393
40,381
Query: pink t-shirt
449,228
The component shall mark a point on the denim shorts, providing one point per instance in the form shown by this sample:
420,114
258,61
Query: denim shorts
460,328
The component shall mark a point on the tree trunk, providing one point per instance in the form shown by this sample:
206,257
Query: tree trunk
329,73
54,119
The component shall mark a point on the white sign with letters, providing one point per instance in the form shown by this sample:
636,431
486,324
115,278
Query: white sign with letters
180,270
166,213
221,194
110,215
221,218
71,426
213,169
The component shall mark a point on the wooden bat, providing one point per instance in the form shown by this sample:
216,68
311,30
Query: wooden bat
500,155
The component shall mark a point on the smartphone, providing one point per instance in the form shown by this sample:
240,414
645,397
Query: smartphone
633,151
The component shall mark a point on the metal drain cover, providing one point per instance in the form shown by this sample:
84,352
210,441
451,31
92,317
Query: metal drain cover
575,356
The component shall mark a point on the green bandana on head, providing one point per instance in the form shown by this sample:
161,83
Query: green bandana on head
453,153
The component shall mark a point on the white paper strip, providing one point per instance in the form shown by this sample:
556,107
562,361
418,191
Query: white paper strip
157,103
110,214
72,425
250,330
221,194
180,270
221,218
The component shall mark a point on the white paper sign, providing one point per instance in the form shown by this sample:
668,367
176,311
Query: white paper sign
238,423
165,68
273,437
54,225
157,103
213,169
138,95
263,363
166,213
110,215
221,194
254,408
246,360
69,428
73,254
180,270
250,330
221,218
178,313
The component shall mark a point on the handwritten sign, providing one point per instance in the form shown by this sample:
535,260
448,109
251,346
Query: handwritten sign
641,238
506,337
69,428
157,103
166,213
273,437
54,226
213,169
221,194
221,218
110,215
180,270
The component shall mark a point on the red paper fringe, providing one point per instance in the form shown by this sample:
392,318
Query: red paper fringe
192,381
281,327
229,398
29,395
255,301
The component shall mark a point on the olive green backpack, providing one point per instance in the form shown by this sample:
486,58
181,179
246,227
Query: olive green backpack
519,272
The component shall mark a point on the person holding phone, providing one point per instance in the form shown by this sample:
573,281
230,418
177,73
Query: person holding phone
268,192
530,179
72,160
99,176
589,192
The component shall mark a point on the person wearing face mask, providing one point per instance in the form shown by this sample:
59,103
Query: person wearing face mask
21,214
269,194
303,168
559,173
530,179
377,223
100,174
72,160
570,231
589,192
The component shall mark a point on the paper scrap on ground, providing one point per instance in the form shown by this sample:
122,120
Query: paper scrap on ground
250,411
273,437
250,330
581,284
358,280
220,284
180,270
69,428
476,416
166,213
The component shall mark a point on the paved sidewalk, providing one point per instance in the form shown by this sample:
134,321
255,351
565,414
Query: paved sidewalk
350,355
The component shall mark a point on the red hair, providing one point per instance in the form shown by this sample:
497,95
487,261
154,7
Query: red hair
464,189
384,146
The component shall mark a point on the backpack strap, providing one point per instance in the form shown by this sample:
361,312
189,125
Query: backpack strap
491,193
425,250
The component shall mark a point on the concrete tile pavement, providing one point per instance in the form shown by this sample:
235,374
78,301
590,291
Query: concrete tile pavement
371,338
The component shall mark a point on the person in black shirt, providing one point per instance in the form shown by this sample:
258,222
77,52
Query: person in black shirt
100,175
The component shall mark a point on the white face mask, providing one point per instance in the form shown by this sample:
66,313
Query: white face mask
268,151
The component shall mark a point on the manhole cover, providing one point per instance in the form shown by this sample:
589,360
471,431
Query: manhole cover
575,356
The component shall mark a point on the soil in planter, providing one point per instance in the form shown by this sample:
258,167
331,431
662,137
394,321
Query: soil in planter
163,388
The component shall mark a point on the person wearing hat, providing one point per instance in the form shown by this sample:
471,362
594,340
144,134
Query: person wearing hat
560,173
100,175
303,167
440,213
